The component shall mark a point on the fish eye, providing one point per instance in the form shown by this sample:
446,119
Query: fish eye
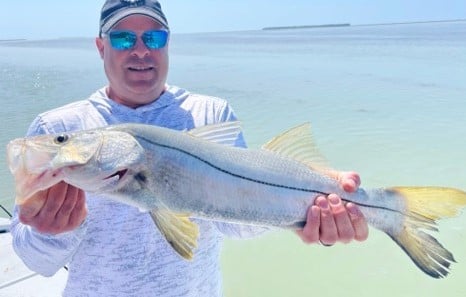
60,139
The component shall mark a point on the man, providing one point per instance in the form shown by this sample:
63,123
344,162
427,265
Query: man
113,249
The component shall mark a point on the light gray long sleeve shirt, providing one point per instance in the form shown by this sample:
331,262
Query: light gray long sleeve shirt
118,251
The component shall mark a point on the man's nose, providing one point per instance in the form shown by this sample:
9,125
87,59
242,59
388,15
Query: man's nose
140,49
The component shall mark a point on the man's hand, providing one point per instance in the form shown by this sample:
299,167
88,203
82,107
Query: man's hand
329,220
59,209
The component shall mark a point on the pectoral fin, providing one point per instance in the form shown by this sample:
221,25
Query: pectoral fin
178,230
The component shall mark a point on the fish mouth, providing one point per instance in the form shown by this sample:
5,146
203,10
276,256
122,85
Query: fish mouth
28,184
26,187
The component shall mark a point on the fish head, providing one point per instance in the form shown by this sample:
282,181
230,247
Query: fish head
92,160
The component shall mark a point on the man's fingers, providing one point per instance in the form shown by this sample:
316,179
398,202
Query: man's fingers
59,209
32,206
349,181
343,223
79,212
328,228
63,214
359,222
310,233
55,197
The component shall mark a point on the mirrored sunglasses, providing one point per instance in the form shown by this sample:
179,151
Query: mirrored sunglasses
125,40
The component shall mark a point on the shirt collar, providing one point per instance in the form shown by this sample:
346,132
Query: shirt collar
168,97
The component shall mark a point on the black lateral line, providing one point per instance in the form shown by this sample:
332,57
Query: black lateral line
263,182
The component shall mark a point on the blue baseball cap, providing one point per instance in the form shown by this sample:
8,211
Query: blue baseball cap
114,11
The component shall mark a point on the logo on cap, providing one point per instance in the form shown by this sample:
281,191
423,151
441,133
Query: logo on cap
131,1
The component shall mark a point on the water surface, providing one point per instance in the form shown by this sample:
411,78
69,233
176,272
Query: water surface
386,101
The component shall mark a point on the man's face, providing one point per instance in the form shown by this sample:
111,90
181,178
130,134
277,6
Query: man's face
136,76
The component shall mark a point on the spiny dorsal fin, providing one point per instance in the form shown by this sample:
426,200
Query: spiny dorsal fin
297,143
178,230
225,133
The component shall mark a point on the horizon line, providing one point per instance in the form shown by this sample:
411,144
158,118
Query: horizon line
271,28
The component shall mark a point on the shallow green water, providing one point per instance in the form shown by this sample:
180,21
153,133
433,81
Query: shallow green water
387,102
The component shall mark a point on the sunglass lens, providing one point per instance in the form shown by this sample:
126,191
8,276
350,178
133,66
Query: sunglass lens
122,40
155,39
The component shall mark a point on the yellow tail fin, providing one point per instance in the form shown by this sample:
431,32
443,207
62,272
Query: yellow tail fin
424,207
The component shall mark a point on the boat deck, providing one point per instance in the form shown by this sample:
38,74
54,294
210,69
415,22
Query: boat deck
17,280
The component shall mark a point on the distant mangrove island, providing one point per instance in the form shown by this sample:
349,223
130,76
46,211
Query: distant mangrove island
306,27
359,25
8,40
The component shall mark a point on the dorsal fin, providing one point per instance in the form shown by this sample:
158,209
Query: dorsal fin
297,143
225,133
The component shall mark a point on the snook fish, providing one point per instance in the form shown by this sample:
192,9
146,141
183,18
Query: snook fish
176,175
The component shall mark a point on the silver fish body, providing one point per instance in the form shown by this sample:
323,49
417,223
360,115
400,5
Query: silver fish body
176,175
226,183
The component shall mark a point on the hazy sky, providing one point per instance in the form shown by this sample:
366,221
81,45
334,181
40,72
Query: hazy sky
37,19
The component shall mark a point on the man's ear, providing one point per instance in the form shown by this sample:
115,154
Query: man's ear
99,43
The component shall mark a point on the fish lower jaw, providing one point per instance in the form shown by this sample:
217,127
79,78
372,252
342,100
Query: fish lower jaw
28,184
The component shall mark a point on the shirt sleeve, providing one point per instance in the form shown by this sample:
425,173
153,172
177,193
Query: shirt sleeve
43,253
